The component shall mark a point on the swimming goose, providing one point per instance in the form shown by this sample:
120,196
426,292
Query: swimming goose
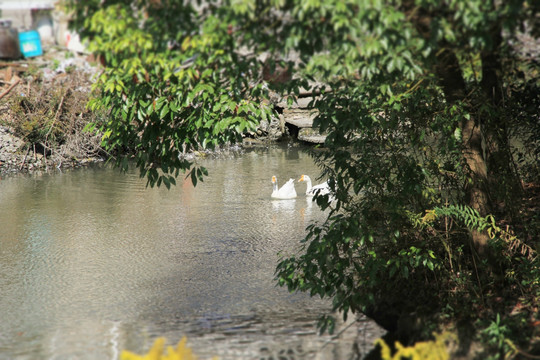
321,189
287,191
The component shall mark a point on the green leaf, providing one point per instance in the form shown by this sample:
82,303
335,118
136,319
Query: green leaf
193,177
164,111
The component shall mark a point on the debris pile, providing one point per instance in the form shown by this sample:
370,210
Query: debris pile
43,113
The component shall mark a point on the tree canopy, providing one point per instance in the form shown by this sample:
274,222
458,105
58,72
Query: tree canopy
431,110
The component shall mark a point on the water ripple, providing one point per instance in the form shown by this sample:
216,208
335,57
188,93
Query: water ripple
92,261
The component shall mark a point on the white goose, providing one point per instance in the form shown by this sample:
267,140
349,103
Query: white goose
321,189
287,191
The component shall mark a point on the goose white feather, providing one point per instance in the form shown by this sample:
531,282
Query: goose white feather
321,189
287,191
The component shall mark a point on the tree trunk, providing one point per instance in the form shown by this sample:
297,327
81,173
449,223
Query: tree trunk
491,69
502,176
453,84
477,196
450,78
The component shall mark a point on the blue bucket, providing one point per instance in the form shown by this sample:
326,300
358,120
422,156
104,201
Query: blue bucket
30,43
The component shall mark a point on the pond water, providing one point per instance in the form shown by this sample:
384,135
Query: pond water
93,262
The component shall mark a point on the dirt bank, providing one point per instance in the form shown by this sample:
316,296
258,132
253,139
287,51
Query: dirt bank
43,113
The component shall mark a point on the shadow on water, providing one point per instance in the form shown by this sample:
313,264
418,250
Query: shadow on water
92,262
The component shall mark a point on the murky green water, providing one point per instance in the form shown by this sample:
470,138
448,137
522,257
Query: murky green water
93,262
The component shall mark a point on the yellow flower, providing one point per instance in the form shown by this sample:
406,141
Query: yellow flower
182,352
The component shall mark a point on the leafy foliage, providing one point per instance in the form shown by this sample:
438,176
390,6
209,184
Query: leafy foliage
398,146
496,334
420,103
170,85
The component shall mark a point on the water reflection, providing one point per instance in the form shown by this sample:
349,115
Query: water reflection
92,262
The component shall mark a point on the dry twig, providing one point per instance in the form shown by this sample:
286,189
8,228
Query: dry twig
14,83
